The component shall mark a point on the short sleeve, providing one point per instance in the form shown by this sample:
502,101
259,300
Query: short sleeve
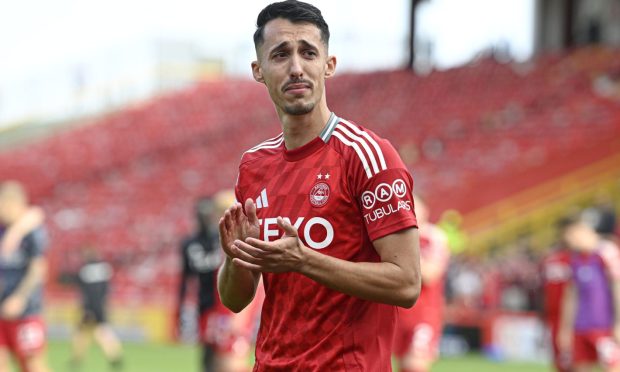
238,196
383,187
37,242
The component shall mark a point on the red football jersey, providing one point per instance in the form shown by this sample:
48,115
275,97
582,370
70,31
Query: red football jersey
342,190
556,273
430,305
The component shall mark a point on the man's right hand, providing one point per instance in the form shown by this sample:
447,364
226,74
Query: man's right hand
237,225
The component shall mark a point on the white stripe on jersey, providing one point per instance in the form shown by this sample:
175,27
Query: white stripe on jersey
267,145
362,142
370,139
357,150
330,127
269,141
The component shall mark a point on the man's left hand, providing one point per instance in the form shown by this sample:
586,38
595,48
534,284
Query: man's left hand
283,255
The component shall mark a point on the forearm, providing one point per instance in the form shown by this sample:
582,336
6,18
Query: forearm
32,218
568,310
383,282
236,285
34,277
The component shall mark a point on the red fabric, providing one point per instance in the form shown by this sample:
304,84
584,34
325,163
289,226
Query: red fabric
319,187
227,332
419,328
431,303
596,346
420,338
216,329
556,273
23,337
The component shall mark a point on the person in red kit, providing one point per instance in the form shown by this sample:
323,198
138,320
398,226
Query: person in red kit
556,274
590,310
23,269
418,333
327,218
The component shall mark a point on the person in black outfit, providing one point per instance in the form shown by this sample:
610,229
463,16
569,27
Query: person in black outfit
201,257
93,279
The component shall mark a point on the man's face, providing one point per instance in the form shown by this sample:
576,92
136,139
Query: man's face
581,237
293,64
9,210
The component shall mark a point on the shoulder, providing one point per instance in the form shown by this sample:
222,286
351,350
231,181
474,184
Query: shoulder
268,147
362,146
610,255
38,236
609,249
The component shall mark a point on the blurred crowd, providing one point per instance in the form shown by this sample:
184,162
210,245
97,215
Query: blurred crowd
510,277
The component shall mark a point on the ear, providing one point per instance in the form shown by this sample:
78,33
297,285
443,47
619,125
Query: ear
257,72
330,69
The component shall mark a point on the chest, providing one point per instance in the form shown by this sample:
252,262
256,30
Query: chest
589,273
18,258
313,194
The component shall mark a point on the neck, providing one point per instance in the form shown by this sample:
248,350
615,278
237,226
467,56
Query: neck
300,129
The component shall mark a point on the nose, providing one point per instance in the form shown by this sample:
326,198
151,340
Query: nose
296,70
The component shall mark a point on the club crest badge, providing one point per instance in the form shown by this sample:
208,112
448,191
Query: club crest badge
319,194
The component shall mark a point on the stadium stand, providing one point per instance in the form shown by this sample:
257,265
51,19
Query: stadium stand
476,137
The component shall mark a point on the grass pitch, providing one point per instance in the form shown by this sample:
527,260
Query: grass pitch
185,358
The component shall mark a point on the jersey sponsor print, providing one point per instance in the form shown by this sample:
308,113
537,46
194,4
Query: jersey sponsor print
341,191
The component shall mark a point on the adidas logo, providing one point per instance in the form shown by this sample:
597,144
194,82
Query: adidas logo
261,201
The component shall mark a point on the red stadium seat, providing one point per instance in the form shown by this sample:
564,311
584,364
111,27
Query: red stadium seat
131,176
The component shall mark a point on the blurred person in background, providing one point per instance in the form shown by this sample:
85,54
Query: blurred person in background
555,273
450,222
93,278
602,216
225,339
23,270
590,314
235,356
418,331
200,257
235,352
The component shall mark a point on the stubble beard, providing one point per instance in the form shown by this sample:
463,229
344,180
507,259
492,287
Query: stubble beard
299,109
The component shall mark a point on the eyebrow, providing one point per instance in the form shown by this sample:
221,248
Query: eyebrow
282,45
285,44
308,44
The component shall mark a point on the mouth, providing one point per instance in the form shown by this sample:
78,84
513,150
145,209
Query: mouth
296,88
